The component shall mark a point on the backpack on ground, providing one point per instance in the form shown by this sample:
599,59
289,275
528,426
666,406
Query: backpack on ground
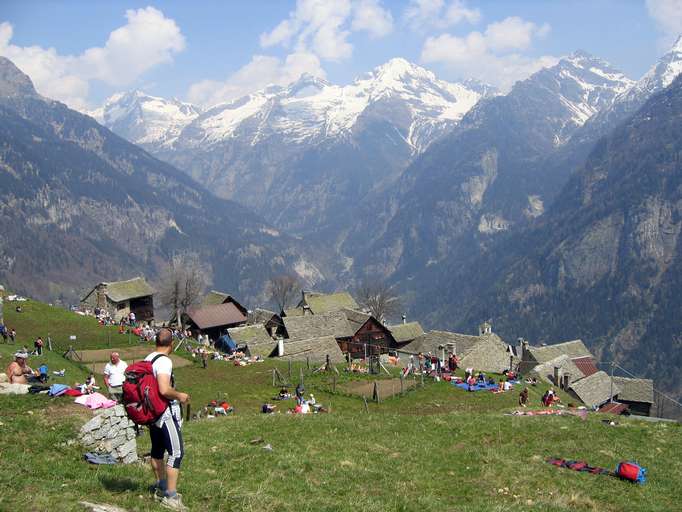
142,399
631,471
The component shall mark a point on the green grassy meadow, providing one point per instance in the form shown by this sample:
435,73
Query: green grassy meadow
435,448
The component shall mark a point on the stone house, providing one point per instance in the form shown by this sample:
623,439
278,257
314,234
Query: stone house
406,332
486,352
120,298
315,303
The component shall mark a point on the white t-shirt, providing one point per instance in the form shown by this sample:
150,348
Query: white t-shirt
164,366
116,373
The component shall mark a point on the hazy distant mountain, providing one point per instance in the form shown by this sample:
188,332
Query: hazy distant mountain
80,204
483,178
605,262
305,156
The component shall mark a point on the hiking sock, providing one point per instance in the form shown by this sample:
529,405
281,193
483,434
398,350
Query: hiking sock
172,494
161,484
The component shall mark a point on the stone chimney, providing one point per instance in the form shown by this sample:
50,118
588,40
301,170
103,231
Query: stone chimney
485,328
404,318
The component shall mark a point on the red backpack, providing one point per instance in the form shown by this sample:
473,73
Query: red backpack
143,402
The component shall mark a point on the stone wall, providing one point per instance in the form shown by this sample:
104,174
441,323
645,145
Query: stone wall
110,432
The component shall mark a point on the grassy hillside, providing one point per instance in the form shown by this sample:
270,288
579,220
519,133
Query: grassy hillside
436,448
39,319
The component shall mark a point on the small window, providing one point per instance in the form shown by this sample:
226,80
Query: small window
120,306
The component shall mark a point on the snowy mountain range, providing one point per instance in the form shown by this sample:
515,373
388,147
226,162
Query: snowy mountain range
308,110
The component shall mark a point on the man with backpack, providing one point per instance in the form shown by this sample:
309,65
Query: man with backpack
165,432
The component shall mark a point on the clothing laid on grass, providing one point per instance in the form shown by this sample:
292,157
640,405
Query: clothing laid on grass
95,401
165,433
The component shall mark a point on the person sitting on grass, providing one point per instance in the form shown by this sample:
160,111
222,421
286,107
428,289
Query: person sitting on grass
89,386
471,382
18,372
491,381
268,408
284,394
523,398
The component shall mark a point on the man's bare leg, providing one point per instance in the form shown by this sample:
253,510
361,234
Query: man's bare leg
159,467
172,475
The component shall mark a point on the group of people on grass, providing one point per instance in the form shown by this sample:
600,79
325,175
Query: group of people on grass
8,334
302,405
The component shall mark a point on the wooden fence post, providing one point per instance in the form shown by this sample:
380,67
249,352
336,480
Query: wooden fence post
402,384
273,378
334,383
301,374
375,393
307,362
289,370
364,399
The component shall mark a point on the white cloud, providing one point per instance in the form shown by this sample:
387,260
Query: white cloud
261,71
513,33
668,16
368,15
145,41
430,14
491,56
323,27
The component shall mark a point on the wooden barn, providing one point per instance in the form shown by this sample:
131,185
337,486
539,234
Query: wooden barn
370,337
120,298
215,319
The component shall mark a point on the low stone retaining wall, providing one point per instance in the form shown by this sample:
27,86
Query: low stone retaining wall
111,432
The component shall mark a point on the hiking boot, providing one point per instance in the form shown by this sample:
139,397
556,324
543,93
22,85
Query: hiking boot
156,492
174,503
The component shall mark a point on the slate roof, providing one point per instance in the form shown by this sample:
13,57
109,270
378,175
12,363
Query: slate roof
119,291
320,303
356,319
572,349
216,315
315,326
293,312
214,297
250,334
594,390
263,316
402,333
263,349
635,390
430,341
316,349
545,371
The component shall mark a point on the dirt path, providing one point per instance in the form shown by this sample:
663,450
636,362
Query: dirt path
385,388
97,359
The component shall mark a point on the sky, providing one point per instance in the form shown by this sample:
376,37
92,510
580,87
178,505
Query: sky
206,52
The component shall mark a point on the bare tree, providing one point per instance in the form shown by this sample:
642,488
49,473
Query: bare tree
379,299
282,290
182,283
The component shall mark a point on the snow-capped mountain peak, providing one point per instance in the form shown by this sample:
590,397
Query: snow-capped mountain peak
145,119
664,72
311,110
583,85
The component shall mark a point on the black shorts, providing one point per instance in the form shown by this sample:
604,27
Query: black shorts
167,438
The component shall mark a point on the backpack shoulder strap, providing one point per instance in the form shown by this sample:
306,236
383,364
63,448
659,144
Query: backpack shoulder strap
156,357
164,355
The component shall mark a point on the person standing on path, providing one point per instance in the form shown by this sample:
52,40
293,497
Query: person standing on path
114,376
165,433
